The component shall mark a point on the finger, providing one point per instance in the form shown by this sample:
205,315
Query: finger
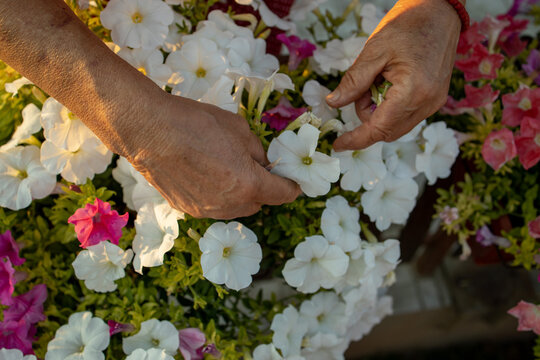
256,150
357,80
363,107
273,189
389,121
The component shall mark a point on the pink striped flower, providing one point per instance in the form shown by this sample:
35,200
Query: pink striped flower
528,142
499,148
480,64
528,316
524,102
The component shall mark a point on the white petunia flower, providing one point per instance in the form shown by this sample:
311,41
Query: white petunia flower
326,347
386,258
371,17
289,331
137,23
314,95
324,313
90,158
197,66
149,62
440,151
13,87
220,95
62,127
31,124
174,38
316,264
248,57
297,160
350,118
400,158
157,229
361,263
153,334
301,8
363,322
150,354
339,54
14,354
23,178
340,223
256,85
360,298
390,201
266,352
100,265
413,134
230,254
83,338
361,168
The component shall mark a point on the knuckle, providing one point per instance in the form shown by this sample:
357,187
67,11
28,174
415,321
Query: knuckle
379,133
350,79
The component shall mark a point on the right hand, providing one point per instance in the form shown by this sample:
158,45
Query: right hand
205,161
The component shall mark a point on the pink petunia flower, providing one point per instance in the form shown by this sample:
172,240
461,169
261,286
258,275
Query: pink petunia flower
17,335
28,307
483,97
298,49
97,222
499,148
10,249
509,39
116,327
524,102
282,115
7,281
528,142
528,316
480,64
192,344
534,228
492,29
469,39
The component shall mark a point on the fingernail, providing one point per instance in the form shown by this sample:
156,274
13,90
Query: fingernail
334,96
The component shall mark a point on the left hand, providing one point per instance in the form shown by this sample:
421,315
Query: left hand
414,48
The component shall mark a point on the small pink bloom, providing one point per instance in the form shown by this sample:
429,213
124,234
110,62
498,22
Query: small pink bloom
28,307
528,142
282,115
492,29
485,237
469,39
499,148
7,281
97,222
449,215
480,64
534,228
483,97
298,49
10,249
524,102
528,316
17,335
509,39
192,344
116,327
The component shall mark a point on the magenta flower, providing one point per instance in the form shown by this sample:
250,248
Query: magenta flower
97,222
528,316
485,237
17,335
475,98
192,344
528,142
298,49
282,115
10,249
534,228
499,148
28,307
7,281
470,38
524,102
532,66
509,39
480,64
116,327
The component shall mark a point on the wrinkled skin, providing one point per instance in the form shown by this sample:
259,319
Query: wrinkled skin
414,48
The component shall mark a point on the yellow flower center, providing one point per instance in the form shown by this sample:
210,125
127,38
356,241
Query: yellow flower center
137,18
356,154
200,72
525,104
498,144
307,160
485,67
226,252
72,116
142,70
155,342
537,139
22,174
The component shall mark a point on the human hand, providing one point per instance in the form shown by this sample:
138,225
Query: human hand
205,161
414,48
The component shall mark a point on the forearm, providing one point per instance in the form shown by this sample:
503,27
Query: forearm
48,44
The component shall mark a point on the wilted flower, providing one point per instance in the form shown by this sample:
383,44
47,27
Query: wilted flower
116,327
97,222
137,23
192,344
84,337
297,160
153,334
499,148
230,254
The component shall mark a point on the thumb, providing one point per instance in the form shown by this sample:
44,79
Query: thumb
356,80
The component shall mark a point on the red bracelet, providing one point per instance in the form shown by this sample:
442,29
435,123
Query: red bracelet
462,13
